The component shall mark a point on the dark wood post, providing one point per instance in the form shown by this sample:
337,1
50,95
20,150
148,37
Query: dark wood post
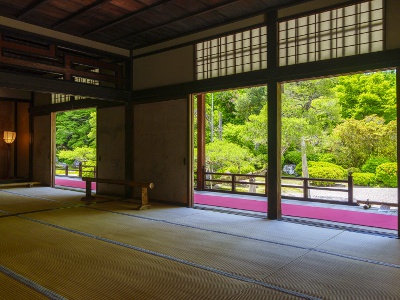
350,186
80,170
233,183
266,183
305,188
274,122
201,140
398,145
66,170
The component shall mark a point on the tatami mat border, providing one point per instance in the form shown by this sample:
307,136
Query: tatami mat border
31,284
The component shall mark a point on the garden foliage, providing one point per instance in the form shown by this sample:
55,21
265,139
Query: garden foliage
386,174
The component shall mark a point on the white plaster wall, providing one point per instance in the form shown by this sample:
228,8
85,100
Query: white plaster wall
161,149
165,68
111,148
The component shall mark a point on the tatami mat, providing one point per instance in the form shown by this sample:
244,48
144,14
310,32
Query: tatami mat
12,289
79,267
332,277
15,203
110,251
365,246
235,255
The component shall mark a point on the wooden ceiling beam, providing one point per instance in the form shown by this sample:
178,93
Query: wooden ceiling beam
126,17
178,19
81,11
34,5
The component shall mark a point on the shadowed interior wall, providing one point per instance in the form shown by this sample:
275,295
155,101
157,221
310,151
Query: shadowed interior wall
6,124
23,140
111,148
170,67
42,143
42,150
161,149
392,24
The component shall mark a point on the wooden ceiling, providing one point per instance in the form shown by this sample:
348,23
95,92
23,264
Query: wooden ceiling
132,24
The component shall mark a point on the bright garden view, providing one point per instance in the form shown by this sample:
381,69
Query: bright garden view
331,128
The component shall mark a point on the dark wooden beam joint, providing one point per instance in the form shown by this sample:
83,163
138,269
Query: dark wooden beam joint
50,60
70,105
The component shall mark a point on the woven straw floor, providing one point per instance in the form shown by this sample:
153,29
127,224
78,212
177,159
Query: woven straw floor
54,246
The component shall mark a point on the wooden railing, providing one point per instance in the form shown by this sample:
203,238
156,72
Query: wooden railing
81,171
237,182
250,183
307,184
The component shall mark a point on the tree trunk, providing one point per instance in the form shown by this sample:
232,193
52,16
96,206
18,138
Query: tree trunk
304,165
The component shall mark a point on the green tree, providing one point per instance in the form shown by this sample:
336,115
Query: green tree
222,156
82,154
354,141
73,128
361,95
309,113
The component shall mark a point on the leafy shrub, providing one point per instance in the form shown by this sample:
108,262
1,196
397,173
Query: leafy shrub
354,170
318,169
364,179
327,157
387,174
371,164
292,157
312,157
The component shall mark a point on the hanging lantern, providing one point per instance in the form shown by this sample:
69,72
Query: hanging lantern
9,136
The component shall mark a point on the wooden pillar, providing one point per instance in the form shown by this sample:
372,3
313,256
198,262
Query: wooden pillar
274,122
274,151
201,140
129,111
129,139
398,145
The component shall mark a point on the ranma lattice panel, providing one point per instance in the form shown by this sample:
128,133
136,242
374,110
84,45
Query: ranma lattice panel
232,54
350,30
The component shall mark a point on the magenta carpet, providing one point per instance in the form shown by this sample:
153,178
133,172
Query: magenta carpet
293,210
77,183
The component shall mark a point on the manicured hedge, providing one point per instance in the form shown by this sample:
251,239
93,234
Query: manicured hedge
372,163
364,179
387,174
318,169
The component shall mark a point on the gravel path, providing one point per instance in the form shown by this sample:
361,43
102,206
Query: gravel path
361,193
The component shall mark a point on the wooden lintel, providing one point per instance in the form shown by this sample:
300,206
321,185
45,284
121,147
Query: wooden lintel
46,85
70,105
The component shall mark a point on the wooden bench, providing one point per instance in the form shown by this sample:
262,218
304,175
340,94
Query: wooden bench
143,185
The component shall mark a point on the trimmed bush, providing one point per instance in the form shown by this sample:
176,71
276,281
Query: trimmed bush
292,157
364,179
387,174
327,157
373,162
354,170
319,169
